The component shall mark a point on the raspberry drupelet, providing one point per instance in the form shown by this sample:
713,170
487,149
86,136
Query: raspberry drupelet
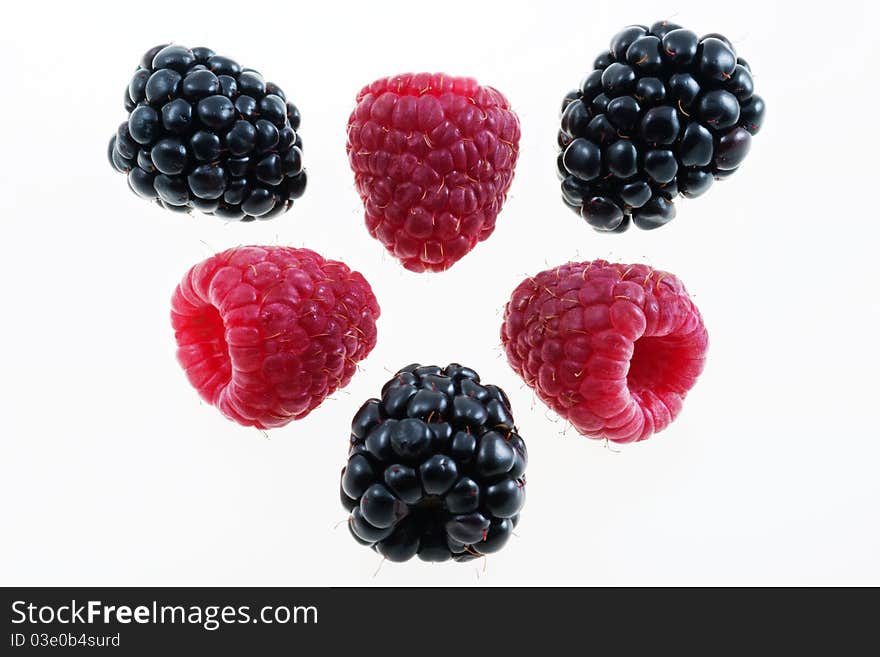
266,333
612,348
433,157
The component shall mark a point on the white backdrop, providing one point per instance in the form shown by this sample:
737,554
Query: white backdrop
113,473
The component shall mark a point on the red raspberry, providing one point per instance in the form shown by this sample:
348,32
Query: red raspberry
266,333
433,158
612,348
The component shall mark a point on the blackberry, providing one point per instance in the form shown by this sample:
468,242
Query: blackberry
435,468
204,133
663,113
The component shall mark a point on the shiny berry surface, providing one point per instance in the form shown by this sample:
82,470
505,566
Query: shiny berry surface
663,112
204,134
436,468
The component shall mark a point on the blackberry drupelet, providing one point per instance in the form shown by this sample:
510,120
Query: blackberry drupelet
204,133
663,113
435,468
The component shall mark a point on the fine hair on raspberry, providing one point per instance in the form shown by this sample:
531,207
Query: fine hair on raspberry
266,333
433,157
612,348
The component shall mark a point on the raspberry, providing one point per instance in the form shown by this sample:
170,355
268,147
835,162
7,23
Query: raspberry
433,158
266,333
663,113
435,468
612,348
205,134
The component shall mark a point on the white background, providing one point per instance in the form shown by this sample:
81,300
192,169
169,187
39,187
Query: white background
113,473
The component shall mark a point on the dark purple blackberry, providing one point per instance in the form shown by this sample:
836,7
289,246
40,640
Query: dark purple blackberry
664,112
205,134
435,468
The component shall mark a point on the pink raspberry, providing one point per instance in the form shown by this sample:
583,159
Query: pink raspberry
266,333
612,348
433,157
